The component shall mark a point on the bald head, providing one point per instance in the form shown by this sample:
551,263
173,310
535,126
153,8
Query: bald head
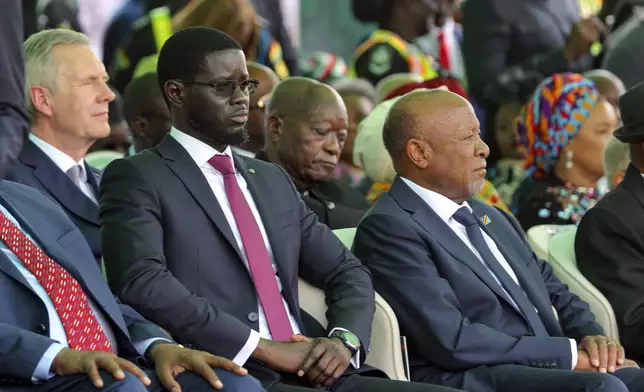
608,84
419,115
301,97
268,79
256,124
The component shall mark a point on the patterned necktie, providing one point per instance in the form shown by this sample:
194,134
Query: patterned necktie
471,223
81,327
443,51
259,261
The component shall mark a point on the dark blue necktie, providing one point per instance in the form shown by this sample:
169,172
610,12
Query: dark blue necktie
471,223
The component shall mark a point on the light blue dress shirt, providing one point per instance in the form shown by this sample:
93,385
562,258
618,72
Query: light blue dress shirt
56,329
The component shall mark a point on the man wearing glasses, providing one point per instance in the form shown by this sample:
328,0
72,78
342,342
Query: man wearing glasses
210,245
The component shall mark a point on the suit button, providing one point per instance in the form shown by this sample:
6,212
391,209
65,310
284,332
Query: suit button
540,365
42,328
253,317
330,205
553,365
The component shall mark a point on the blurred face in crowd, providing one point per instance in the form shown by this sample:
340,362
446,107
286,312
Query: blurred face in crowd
77,107
358,108
611,90
309,145
448,149
216,100
588,145
504,123
256,116
154,122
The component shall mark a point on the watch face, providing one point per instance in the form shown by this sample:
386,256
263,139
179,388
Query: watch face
351,339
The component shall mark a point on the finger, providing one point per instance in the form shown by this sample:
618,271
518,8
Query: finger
311,359
603,356
92,373
202,368
612,356
593,352
600,26
226,364
135,370
339,371
621,355
327,368
301,339
110,365
164,374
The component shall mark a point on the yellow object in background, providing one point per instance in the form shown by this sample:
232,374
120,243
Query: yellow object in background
588,8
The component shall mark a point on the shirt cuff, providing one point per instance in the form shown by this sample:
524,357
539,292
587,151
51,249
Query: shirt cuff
573,349
142,346
355,361
43,368
248,349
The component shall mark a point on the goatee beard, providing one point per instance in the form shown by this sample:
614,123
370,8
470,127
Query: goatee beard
221,137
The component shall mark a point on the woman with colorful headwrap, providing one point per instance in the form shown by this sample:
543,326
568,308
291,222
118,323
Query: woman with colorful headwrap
562,132
371,155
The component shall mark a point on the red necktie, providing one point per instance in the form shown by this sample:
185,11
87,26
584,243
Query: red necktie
443,51
259,262
81,327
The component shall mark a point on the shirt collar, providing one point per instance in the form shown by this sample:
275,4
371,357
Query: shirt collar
62,160
200,152
442,206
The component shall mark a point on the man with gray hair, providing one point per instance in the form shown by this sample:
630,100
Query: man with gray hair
616,160
67,97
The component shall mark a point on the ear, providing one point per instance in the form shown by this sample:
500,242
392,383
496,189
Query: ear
274,127
174,92
419,152
140,124
41,99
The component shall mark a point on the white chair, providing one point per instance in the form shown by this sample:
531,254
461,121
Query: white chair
386,353
564,264
539,237
100,159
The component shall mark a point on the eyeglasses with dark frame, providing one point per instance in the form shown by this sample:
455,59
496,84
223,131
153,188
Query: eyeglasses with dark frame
226,88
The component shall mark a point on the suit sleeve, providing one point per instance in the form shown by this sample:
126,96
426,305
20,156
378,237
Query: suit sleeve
14,123
487,38
610,254
575,317
429,311
327,264
20,352
132,237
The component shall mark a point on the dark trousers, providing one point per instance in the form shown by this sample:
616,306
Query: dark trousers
356,383
513,378
190,382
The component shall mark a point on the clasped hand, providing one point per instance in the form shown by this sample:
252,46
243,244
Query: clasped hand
602,354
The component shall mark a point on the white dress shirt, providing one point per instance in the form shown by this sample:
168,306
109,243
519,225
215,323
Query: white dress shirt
201,153
445,209
64,163
429,44
56,329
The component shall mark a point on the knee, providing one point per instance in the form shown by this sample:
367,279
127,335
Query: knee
129,384
235,383
607,383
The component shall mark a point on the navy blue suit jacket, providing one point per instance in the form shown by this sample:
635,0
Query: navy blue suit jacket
456,317
24,323
35,169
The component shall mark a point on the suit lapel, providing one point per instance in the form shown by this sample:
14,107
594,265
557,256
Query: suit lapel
91,281
184,167
446,238
526,282
59,185
94,179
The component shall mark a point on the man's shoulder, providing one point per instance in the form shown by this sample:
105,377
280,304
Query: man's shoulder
23,196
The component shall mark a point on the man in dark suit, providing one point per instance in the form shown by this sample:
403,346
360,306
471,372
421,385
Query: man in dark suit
470,295
307,125
609,244
68,104
60,327
210,245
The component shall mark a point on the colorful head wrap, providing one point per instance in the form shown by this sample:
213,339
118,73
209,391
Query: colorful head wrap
551,119
323,67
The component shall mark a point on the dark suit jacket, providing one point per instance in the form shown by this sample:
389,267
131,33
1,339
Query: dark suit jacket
35,169
170,253
610,252
24,323
457,319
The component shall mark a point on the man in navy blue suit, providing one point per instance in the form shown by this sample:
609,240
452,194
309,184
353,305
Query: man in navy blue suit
67,98
61,328
470,295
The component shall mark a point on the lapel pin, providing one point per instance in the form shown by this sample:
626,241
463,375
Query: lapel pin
252,171
485,220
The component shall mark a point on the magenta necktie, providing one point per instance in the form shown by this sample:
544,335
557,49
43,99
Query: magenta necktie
259,262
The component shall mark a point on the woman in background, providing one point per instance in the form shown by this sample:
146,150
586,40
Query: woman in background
562,132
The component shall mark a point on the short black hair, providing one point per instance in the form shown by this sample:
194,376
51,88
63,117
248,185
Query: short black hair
115,108
184,52
140,94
